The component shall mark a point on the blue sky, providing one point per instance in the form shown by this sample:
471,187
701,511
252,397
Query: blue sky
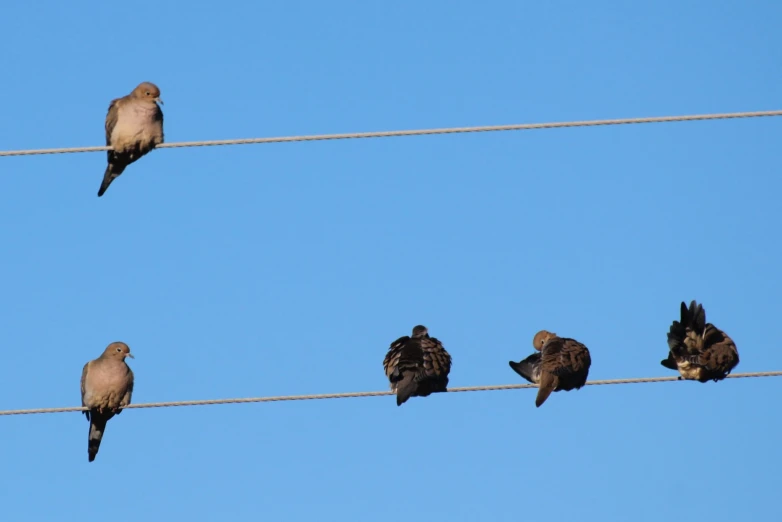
289,268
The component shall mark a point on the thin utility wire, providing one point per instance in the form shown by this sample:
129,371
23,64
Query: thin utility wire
281,398
421,132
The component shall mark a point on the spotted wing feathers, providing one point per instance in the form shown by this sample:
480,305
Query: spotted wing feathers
562,365
417,367
698,350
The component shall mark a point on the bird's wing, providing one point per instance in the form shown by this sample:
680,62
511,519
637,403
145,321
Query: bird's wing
111,118
437,361
562,356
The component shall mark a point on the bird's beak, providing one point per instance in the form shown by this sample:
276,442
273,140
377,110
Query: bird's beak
159,100
130,355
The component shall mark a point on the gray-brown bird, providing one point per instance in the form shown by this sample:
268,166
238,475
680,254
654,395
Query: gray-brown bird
560,364
134,126
698,350
417,366
106,387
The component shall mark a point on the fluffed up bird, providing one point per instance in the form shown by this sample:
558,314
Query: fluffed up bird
560,364
134,126
106,387
417,366
698,350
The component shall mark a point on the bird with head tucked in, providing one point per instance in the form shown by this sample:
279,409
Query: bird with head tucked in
417,366
559,364
698,350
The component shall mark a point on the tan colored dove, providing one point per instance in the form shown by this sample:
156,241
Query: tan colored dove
698,350
560,364
134,126
106,387
417,366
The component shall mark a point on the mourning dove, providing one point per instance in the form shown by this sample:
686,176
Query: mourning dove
417,366
106,387
561,364
699,350
134,126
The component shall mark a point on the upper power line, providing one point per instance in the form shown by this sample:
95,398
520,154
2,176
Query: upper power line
420,132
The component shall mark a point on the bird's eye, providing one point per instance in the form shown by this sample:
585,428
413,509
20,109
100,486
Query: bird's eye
119,349
148,93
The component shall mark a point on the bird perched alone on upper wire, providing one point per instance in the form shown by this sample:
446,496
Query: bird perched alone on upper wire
698,350
560,364
106,387
417,366
134,126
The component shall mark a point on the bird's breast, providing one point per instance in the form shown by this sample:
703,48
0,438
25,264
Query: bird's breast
137,123
108,375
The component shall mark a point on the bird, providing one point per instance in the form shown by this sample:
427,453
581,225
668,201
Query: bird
417,366
559,364
134,126
698,350
106,388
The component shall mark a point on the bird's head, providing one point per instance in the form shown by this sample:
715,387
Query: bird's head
118,350
147,91
420,332
541,338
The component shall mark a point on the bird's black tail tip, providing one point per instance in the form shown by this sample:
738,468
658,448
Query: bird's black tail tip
543,394
403,395
92,449
406,388
112,171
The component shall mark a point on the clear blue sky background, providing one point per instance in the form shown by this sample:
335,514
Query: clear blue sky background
289,268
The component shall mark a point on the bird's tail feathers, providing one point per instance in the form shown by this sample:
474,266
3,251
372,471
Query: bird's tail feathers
406,388
97,427
548,383
113,170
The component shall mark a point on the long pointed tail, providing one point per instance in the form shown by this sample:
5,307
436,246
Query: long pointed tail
97,427
113,170
405,388
548,383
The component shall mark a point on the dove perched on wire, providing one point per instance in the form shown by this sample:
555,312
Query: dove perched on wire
106,387
560,364
698,350
134,126
417,366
